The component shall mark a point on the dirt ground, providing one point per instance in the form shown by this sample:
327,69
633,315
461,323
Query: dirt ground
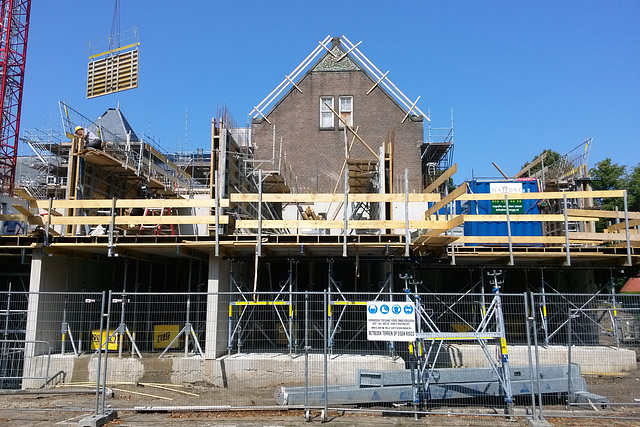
151,404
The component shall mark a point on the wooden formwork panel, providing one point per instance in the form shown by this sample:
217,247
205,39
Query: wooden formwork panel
112,73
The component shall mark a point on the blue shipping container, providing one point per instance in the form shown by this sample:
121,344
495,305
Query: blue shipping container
497,207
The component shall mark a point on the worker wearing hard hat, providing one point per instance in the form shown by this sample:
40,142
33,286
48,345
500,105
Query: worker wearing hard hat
90,138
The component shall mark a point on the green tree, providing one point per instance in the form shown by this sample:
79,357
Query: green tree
633,188
607,175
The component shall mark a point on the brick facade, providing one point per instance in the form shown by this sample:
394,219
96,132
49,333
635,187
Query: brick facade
317,155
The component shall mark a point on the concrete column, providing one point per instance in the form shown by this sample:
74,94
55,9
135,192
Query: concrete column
217,307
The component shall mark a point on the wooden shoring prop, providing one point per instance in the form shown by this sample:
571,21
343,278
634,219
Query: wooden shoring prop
345,160
500,170
352,130
441,179
527,168
446,200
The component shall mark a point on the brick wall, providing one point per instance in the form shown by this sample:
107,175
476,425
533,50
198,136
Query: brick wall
317,155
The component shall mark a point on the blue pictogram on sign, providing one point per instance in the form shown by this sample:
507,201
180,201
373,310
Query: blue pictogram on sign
396,309
373,309
384,309
408,309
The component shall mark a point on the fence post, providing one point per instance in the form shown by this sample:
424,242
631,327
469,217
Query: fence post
106,351
99,354
324,416
569,332
528,319
535,343
307,414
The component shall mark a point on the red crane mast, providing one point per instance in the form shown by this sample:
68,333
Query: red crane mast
14,28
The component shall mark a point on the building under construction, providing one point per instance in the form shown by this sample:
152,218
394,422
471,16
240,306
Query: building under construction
339,182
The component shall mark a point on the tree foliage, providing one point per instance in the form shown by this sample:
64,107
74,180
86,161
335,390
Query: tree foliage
607,175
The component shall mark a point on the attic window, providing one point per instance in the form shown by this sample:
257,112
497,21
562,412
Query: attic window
346,111
326,115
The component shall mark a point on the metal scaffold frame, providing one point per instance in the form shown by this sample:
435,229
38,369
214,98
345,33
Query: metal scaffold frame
247,302
490,328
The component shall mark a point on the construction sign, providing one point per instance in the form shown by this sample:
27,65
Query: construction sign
499,207
391,321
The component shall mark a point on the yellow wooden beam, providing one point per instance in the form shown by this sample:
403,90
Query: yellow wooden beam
514,239
593,213
441,179
137,220
131,203
524,217
331,198
546,195
35,219
447,199
622,225
328,224
530,165
605,237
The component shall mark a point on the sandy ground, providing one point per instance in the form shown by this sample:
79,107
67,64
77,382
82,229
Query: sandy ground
66,406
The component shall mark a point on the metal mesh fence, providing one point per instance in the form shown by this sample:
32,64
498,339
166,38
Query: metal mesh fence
318,351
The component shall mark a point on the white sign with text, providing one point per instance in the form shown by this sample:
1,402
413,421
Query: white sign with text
391,321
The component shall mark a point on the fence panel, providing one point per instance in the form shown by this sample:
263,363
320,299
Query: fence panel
472,353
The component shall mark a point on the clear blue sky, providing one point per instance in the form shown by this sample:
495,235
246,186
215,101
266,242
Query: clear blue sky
521,76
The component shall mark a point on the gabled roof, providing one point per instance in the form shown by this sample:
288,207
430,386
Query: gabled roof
336,58
117,126
632,286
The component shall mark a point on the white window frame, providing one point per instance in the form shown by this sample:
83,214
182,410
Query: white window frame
343,112
326,113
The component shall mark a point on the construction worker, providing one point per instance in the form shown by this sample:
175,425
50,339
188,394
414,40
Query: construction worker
90,138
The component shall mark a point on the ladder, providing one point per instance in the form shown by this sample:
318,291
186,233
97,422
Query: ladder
159,228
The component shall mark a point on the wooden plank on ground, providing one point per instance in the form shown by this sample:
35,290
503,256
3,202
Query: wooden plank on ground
447,199
441,179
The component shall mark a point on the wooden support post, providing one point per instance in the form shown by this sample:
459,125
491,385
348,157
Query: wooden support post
345,210
407,236
566,230
259,246
506,202
626,227
48,226
112,226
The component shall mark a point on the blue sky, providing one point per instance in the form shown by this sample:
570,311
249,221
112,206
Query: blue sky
521,76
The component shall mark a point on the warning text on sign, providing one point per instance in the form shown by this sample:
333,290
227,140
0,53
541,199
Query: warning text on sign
391,321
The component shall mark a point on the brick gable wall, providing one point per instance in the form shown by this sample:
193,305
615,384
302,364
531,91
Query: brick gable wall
317,155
